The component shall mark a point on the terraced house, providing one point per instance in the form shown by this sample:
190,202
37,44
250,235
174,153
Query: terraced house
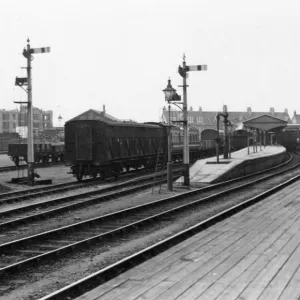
208,119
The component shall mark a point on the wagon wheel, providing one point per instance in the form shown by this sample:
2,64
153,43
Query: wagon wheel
45,159
79,176
16,160
94,173
103,175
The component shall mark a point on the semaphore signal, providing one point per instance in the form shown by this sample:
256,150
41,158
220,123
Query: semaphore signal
27,53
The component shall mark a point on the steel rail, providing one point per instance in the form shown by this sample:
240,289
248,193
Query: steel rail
13,246
80,203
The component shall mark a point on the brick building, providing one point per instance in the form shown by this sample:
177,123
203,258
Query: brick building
10,120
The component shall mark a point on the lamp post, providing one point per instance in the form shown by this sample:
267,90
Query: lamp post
170,92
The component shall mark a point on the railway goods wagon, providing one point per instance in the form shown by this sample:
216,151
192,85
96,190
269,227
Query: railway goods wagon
57,151
197,148
177,135
287,139
43,153
94,147
8,138
210,134
238,139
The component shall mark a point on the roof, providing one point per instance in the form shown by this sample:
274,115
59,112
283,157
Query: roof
265,122
296,119
93,114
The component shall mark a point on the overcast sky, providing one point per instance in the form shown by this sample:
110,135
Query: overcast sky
121,53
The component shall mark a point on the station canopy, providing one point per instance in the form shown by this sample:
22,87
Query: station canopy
265,123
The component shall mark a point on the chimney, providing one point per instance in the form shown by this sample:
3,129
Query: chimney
200,108
249,111
224,108
191,108
104,111
295,113
164,108
272,110
286,111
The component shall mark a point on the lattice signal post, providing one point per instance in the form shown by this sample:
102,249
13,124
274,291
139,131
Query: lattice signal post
186,159
27,53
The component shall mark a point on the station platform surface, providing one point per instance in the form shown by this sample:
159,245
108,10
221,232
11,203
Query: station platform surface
207,170
254,254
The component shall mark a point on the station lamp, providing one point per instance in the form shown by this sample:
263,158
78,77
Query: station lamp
169,91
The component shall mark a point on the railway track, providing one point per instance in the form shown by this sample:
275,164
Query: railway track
21,215
12,217
122,224
17,196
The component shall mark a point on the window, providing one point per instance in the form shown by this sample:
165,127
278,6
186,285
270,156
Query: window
35,117
5,117
14,125
199,120
45,118
190,119
13,116
5,125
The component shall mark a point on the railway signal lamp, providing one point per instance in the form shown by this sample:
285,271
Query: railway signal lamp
20,81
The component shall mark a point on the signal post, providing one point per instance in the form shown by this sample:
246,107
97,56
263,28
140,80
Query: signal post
27,53
186,159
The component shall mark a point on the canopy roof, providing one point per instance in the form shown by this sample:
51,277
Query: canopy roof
265,122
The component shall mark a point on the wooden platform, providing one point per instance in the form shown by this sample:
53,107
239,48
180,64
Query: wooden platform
252,255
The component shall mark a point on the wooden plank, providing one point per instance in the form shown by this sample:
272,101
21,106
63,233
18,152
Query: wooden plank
194,276
257,286
114,293
237,262
102,289
230,284
292,290
280,281
191,274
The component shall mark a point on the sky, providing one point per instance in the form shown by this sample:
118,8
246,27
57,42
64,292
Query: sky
121,53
